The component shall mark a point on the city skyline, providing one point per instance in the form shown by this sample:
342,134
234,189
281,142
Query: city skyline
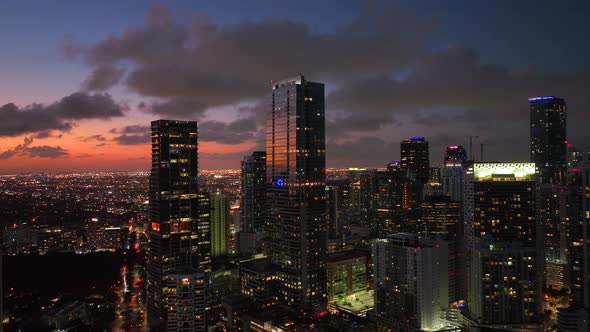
93,91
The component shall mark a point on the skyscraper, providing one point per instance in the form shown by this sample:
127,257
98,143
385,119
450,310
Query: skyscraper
441,215
204,233
173,231
296,195
391,202
455,155
414,156
220,220
504,265
253,187
411,282
549,138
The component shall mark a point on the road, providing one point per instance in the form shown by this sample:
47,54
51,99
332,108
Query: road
130,312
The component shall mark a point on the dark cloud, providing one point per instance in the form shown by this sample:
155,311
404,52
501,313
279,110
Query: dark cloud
47,134
96,138
58,116
365,151
382,80
103,77
25,149
133,129
234,132
47,151
132,139
201,65
131,135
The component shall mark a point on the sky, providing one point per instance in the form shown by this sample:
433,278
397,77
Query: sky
81,81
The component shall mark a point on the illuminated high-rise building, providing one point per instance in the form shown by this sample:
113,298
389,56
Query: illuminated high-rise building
414,156
549,138
441,215
411,282
504,267
173,231
455,155
253,190
204,233
296,191
391,203
220,225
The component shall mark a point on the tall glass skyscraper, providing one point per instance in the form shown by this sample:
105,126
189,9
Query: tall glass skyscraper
549,138
175,284
253,187
414,156
296,195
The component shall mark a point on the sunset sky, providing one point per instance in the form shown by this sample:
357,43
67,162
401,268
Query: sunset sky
80,81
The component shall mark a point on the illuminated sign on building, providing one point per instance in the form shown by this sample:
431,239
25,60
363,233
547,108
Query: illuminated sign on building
541,98
504,171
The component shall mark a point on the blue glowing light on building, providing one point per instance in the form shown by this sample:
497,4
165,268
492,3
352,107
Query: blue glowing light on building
417,138
542,98
279,182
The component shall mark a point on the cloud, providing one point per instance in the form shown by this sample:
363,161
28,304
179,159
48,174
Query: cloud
133,129
103,77
383,76
365,151
234,132
26,150
131,135
96,138
47,151
47,134
59,116
197,66
132,139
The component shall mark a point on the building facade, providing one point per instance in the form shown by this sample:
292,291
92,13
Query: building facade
173,227
414,156
504,267
411,282
253,192
549,138
296,195
220,225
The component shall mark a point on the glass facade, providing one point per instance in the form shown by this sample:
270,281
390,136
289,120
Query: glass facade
296,195
549,138
174,215
253,192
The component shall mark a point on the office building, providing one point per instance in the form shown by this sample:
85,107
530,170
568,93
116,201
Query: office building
253,192
185,300
204,232
392,201
347,274
173,228
455,155
411,282
504,269
259,281
549,138
220,225
452,181
414,157
441,215
553,209
296,195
